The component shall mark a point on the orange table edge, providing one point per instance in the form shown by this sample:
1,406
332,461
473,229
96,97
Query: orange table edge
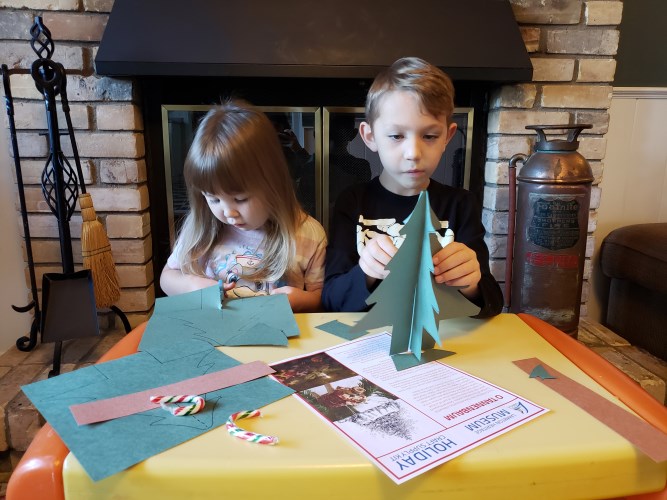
39,474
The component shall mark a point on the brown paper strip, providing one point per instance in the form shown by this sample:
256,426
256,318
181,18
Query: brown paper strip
129,404
641,434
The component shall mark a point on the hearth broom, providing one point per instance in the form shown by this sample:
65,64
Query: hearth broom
95,246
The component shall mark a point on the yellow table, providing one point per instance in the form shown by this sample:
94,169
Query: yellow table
563,454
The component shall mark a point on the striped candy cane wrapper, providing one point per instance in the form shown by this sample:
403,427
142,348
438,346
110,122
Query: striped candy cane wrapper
252,437
169,403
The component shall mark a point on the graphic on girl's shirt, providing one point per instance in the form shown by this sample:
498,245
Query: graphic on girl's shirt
237,268
367,229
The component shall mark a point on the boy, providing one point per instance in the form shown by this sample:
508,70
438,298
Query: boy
408,112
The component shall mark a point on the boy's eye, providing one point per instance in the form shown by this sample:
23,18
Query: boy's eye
395,137
431,137
241,199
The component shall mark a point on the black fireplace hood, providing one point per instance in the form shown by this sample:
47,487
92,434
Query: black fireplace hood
476,40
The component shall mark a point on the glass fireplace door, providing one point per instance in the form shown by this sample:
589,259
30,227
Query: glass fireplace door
298,128
323,150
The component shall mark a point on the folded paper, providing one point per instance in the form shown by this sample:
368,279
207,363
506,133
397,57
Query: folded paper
409,299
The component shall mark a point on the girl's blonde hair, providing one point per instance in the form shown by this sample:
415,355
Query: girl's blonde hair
236,150
432,86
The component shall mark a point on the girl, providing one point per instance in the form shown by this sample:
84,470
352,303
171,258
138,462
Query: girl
245,225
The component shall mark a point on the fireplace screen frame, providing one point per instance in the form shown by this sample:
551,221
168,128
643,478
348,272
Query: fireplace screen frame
317,145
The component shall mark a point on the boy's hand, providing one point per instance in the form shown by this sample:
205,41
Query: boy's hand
457,265
375,256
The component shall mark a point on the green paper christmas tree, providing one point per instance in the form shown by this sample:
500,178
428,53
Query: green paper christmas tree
409,299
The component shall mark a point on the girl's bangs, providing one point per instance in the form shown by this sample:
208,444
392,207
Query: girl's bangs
217,173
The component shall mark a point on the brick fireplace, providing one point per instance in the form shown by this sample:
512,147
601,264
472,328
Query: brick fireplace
571,43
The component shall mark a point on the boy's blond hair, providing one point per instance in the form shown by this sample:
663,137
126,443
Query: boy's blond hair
432,86
236,150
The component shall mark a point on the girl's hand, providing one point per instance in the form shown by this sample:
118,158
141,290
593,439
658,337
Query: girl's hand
457,265
375,256
227,287
301,300
174,282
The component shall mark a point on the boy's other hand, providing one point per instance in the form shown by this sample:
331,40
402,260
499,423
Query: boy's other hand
376,255
457,265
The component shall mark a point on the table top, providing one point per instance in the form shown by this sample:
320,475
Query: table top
564,454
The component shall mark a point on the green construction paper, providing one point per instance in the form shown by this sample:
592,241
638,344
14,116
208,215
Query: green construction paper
403,361
262,334
540,372
109,447
339,329
187,323
411,270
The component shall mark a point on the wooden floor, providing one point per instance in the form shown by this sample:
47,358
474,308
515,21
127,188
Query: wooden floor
648,371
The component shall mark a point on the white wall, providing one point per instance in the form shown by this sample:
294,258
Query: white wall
13,289
634,180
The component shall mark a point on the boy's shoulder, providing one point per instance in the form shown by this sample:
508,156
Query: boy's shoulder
437,190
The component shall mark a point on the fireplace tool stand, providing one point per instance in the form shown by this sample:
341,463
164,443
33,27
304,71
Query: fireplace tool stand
68,299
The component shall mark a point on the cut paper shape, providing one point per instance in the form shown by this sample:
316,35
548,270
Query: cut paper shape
191,322
404,361
339,329
109,447
411,273
540,372
259,334
128,404
640,433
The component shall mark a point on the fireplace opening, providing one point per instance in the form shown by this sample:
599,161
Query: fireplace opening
322,148
323,113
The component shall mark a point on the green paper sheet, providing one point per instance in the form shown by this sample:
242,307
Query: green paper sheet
191,322
109,447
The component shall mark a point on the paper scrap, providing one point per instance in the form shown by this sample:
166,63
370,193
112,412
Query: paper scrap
339,329
540,372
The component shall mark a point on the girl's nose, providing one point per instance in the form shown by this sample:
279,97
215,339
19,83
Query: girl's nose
230,212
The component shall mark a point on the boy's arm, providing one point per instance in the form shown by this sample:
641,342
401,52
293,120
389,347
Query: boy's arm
344,282
470,232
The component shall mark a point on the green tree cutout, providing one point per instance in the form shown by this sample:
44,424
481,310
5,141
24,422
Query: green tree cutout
409,299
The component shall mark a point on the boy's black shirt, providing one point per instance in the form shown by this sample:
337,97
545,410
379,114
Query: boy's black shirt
345,283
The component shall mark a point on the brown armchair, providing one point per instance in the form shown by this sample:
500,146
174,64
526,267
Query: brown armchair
635,259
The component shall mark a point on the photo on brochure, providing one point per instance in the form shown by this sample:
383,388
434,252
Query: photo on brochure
310,371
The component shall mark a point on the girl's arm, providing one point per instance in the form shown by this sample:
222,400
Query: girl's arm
174,281
302,300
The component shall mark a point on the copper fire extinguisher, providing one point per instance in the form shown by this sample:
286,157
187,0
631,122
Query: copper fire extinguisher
545,260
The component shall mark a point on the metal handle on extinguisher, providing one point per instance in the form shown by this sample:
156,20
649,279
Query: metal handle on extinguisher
510,228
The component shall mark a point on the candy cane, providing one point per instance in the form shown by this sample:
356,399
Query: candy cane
166,402
253,437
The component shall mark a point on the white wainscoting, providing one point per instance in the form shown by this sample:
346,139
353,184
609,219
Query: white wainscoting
634,180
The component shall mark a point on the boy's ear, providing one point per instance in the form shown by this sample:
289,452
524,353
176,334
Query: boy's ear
366,134
451,130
